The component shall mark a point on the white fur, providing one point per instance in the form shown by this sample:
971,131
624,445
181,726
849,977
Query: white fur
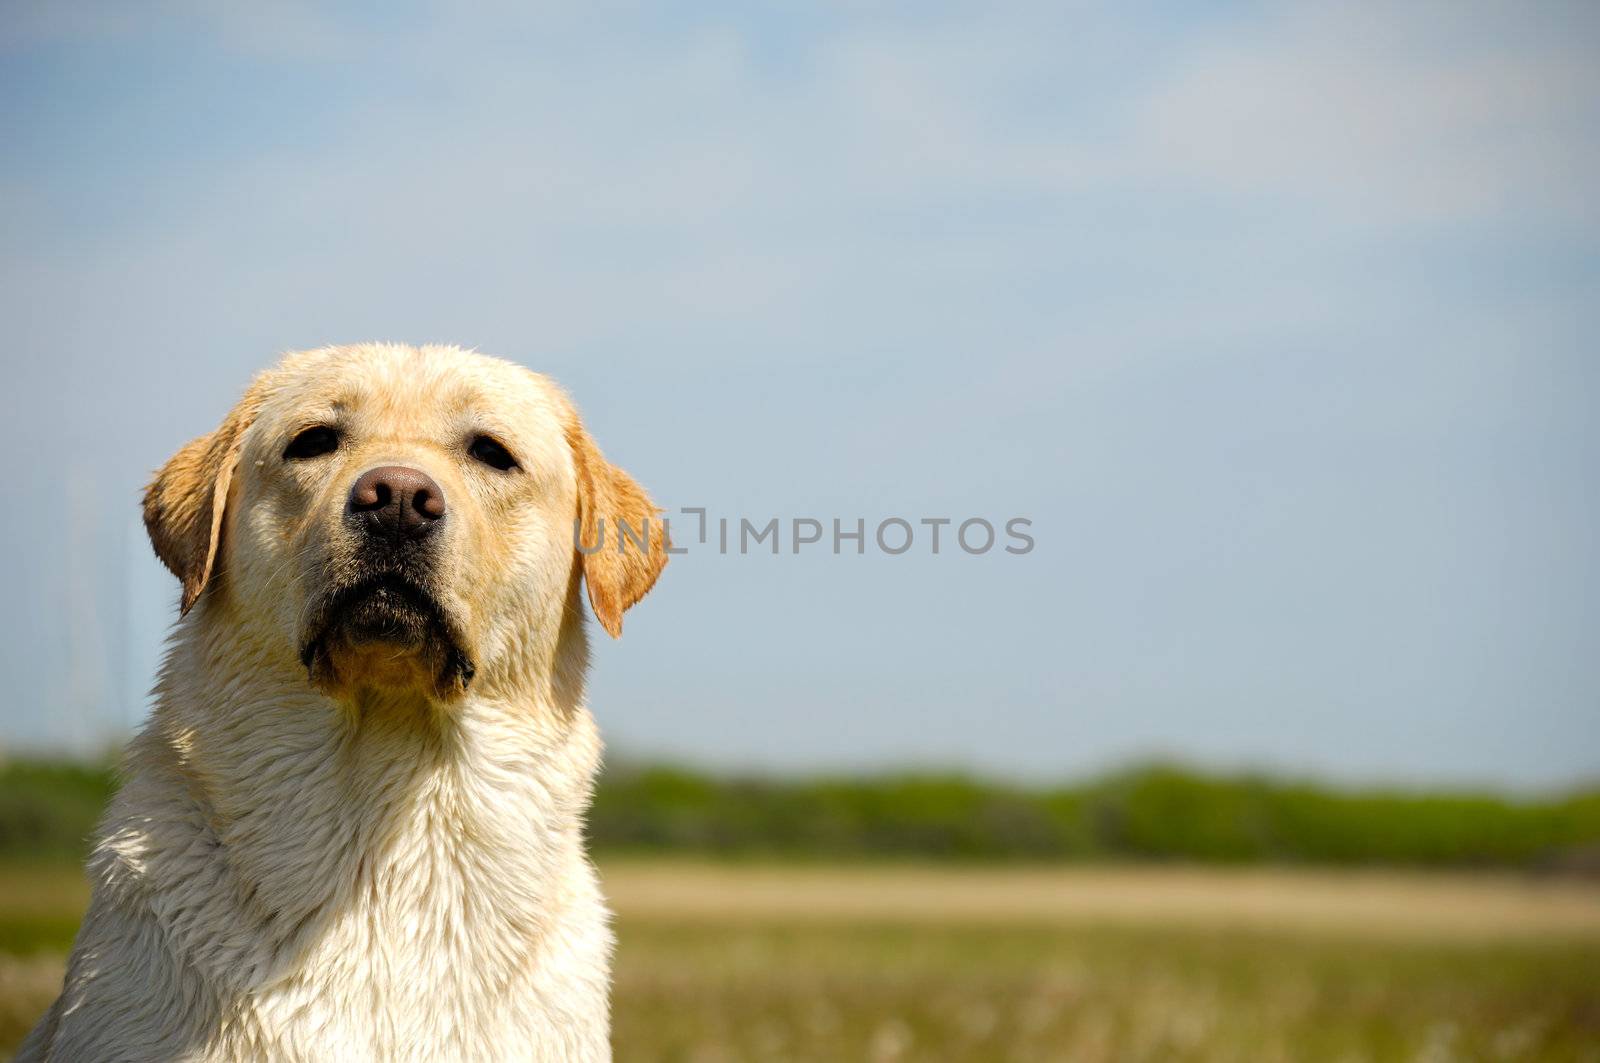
290,875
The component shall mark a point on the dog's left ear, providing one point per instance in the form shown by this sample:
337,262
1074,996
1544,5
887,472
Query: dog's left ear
613,515
185,503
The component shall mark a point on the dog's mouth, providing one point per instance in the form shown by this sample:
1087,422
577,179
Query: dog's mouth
384,630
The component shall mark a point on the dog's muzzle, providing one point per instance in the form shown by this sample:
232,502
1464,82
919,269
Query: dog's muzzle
384,608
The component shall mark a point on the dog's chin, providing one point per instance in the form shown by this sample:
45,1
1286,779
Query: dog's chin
385,634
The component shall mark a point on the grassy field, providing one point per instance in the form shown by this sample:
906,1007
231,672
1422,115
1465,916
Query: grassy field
737,962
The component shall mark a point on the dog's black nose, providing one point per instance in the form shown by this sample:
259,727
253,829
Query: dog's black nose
396,502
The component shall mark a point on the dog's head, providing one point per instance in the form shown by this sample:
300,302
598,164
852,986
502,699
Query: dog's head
402,519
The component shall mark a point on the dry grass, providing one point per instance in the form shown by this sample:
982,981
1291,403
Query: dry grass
1345,903
760,962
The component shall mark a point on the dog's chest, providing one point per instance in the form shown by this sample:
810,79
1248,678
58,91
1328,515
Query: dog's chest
402,979
469,927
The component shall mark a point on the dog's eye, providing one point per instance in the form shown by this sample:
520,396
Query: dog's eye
492,454
312,443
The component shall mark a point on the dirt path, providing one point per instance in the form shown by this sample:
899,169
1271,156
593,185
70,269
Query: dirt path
1377,903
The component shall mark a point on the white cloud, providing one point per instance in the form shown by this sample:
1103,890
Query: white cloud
1453,112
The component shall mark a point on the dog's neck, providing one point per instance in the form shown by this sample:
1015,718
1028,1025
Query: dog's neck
309,812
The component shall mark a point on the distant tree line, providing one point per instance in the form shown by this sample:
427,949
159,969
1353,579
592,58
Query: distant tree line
1149,813
1154,812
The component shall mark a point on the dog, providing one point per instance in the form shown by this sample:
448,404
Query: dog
353,826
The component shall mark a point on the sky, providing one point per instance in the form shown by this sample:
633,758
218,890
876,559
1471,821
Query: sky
1275,322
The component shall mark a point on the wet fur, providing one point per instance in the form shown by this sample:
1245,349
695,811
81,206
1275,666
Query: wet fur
346,863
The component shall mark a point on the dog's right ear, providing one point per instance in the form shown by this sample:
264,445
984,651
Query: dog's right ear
185,503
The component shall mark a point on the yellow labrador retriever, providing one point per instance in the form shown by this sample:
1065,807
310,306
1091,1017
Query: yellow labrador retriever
353,826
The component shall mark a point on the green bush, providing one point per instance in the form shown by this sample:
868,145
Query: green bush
48,809
1155,812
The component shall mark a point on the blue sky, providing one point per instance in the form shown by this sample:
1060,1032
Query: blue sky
1277,322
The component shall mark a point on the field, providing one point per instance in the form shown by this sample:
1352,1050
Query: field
808,962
